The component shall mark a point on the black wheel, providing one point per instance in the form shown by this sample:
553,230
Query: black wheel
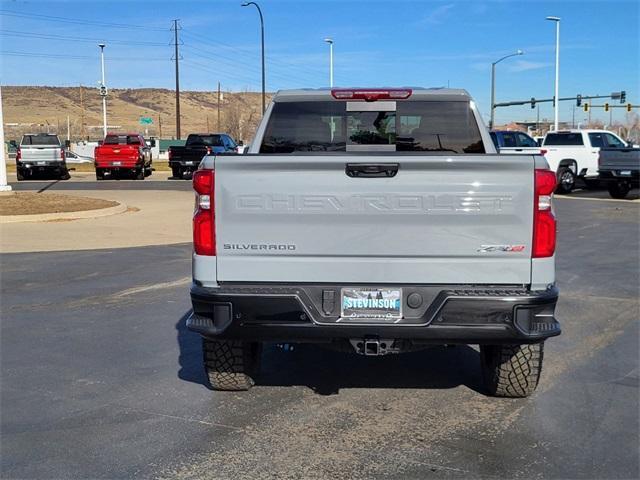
176,172
140,173
99,174
65,175
566,180
19,175
511,370
619,189
231,364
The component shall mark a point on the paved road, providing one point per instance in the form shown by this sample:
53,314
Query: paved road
101,379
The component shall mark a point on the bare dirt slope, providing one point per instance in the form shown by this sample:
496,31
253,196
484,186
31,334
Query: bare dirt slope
41,107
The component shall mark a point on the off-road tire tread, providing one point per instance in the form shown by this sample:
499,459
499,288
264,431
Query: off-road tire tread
230,364
512,370
618,190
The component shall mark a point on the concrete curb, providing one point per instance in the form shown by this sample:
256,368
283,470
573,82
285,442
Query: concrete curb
48,217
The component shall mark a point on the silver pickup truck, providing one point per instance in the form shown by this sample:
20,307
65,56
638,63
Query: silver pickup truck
41,153
377,220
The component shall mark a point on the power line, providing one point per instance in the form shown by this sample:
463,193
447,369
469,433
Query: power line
77,57
35,16
66,38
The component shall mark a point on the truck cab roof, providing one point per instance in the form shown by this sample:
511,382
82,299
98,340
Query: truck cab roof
416,93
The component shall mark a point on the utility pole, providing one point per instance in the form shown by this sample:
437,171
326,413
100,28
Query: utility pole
330,42
81,114
262,48
159,126
103,92
177,57
556,95
493,84
218,123
68,130
208,124
4,187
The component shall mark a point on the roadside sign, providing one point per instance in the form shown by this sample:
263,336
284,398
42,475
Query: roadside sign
146,120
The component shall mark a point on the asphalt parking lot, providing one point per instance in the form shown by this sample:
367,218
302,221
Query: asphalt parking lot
102,380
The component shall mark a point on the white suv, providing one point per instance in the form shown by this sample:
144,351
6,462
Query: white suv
574,153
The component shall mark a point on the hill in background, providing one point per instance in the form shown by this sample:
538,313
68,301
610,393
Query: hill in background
36,109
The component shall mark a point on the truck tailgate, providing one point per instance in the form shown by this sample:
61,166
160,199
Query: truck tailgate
40,154
446,220
619,159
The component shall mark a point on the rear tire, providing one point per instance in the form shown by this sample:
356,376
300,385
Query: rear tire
99,174
19,175
65,175
619,189
511,371
566,180
140,173
231,364
176,172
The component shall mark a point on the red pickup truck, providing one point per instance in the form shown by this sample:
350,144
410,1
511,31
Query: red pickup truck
123,152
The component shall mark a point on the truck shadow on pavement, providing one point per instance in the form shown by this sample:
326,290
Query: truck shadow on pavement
326,371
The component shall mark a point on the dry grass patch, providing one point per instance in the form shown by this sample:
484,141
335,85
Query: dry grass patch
29,203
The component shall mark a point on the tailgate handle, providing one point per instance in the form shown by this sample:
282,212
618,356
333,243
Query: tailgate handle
371,170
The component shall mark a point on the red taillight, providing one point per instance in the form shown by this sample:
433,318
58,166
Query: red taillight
170,153
209,150
544,222
18,155
204,226
62,154
371,95
543,152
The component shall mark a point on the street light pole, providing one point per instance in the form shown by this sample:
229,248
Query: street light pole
103,92
262,40
4,187
493,83
330,42
556,95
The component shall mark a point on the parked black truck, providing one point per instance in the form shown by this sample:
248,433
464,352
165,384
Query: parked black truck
184,160
619,170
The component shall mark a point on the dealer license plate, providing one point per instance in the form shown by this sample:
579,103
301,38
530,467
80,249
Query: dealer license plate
41,163
116,163
190,162
626,173
372,303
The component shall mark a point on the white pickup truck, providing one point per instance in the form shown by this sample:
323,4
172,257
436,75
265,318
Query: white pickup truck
574,154
41,153
380,221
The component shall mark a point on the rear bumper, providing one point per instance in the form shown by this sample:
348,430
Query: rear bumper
311,313
629,175
124,163
184,164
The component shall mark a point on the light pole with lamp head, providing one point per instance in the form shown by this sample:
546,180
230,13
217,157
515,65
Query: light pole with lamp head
555,96
246,4
330,42
493,83
103,92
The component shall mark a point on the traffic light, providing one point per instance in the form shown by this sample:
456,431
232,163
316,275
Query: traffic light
533,102
623,96
578,100
628,107
606,107
586,107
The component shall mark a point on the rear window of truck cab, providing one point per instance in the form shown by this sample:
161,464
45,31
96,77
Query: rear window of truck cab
562,139
42,139
206,140
122,140
382,126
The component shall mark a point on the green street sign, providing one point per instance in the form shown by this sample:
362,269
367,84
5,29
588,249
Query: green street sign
146,120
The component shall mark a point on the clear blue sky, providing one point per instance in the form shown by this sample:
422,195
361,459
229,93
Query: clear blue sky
377,43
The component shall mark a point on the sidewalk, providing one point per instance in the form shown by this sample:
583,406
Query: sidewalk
153,217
